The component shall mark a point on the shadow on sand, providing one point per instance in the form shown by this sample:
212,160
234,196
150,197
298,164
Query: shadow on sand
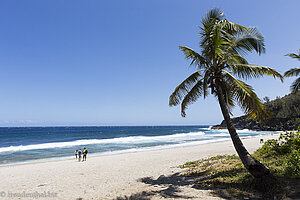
166,187
171,187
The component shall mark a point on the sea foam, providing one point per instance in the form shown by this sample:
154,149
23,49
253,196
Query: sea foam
120,140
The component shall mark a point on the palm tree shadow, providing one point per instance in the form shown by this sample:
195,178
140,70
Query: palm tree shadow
169,186
169,192
176,180
165,186
138,196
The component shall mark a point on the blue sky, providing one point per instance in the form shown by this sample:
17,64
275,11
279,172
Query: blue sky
116,62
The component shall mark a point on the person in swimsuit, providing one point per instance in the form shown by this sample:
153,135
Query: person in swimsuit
85,152
79,155
76,154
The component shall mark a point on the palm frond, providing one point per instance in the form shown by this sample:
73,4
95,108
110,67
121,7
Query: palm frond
216,48
210,33
292,72
293,55
182,89
211,16
248,40
231,59
240,43
246,97
295,87
247,71
191,97
197,59
231,27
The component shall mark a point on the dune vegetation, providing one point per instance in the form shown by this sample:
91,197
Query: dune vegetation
226,175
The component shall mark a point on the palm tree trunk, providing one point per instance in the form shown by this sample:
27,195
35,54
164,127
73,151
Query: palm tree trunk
258,170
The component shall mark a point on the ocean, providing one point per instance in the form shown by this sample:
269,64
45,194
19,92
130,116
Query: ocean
35,144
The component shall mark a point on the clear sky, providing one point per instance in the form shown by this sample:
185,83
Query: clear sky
115,62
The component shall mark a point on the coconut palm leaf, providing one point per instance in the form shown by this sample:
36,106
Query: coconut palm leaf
292,72
295,87
231,59
293,55
244,41
213,15
251,39
197,59
231,27
246,97
191,97
247,71
185,87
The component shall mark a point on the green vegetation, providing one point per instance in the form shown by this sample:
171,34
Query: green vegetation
283,155
286,107
285,111
220,65
221,172
295,87
227,173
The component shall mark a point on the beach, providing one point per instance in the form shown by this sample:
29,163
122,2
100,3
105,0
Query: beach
139,175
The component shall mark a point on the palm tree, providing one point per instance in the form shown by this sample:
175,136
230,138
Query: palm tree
219,65
295,87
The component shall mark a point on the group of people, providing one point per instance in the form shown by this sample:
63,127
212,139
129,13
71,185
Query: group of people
79,153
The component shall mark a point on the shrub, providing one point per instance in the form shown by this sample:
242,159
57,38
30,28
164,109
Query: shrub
292,168
269,148
290,141
286,152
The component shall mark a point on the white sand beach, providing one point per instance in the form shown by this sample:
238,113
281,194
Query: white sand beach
115,176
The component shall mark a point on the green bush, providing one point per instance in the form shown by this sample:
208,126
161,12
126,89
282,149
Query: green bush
269,148
286,152
289,141
292,168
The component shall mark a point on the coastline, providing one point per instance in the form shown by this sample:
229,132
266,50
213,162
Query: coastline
132,150
127,151
112,176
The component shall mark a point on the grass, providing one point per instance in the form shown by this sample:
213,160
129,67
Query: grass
227,176
226,173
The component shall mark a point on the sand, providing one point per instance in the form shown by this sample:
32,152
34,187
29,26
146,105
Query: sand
138,175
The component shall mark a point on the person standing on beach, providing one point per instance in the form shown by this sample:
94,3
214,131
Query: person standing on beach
76,153
85,152
79,155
